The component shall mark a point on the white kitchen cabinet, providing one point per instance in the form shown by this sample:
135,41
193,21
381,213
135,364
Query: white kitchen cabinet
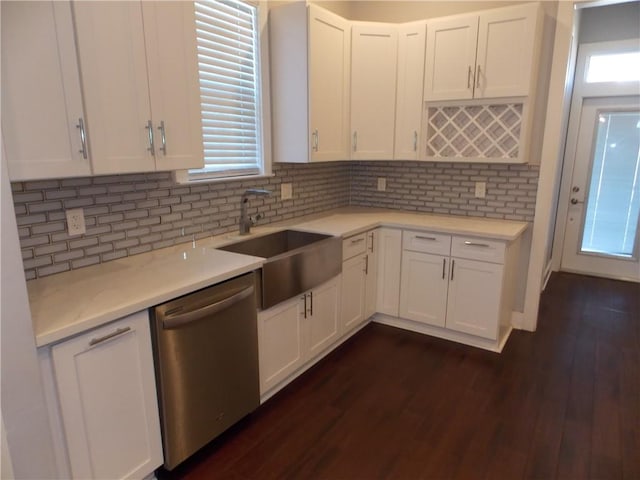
295,332
460,284
310,52
374,50
359,279
485,55
410,86
389,263
140,82
474,298
106,390
424,285
371,273
42,111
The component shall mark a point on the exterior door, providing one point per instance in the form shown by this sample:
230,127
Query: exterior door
601,236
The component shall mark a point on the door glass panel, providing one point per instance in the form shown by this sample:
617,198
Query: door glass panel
613,204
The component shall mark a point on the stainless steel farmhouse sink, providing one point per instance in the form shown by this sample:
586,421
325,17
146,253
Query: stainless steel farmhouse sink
296,262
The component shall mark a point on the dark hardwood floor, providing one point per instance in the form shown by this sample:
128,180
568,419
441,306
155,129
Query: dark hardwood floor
563,402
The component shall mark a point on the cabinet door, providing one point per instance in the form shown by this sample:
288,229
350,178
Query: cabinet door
172,62
373,90
474,299
106,386
280,342
411,51
450,59
423,288
352,308
506,39
371,274
323,317
389,259
328,63
41,95
116,91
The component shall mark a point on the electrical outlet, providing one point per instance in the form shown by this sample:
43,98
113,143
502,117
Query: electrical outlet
286,191
382,184
75,221
481,189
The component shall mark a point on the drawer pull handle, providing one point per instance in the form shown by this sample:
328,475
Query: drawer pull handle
357,240
444,265
305,305
109,336
420,237
366,264
474,244
372,238
453,265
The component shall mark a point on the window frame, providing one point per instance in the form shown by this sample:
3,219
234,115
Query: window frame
264,109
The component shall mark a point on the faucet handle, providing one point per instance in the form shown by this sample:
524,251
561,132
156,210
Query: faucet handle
253,219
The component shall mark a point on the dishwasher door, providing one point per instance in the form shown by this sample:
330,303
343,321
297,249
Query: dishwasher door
206,357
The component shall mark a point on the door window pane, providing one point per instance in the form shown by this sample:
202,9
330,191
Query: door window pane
613,203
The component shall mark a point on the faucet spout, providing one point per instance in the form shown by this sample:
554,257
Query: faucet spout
245,221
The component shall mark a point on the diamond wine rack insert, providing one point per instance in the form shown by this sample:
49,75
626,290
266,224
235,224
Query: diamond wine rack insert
478,131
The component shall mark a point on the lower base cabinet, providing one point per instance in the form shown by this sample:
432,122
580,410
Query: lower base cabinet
296,331
105,385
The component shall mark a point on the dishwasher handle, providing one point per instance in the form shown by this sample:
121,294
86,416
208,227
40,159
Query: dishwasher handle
183,318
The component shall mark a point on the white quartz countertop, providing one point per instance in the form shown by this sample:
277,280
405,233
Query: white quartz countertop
69,303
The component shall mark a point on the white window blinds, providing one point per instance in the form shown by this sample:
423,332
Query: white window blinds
229,88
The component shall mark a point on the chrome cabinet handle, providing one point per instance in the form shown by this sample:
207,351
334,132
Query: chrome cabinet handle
311,302
415,140
163,137
305,305
474,244
366,264
316,140
420,237
453,264
83,138
444,265
478,77
109,336
355,141
149,128
469,78
372,238
357,240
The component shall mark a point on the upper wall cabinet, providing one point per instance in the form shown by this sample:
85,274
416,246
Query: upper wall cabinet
139,69
374,50
310,64
42,115
411,52
489,55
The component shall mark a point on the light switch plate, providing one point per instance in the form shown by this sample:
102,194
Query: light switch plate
286,191
481,189
382,184
75,221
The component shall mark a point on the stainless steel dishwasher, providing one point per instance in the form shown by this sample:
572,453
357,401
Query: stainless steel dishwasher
206,359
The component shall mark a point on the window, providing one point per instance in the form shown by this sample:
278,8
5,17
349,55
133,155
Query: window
230,87
614,67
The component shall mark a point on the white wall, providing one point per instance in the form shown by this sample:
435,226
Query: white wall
23,405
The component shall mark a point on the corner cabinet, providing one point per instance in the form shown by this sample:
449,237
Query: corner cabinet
139,69
486,55
105,385
310,52
295,332
42,110
374,51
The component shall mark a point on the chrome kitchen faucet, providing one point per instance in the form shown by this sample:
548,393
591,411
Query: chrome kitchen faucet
246,222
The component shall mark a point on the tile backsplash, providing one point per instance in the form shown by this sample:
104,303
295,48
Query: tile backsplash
130,214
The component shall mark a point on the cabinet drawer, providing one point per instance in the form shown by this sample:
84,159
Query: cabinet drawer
353,246
426,242
478,249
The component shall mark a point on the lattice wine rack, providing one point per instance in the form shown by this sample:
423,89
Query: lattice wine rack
478,131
